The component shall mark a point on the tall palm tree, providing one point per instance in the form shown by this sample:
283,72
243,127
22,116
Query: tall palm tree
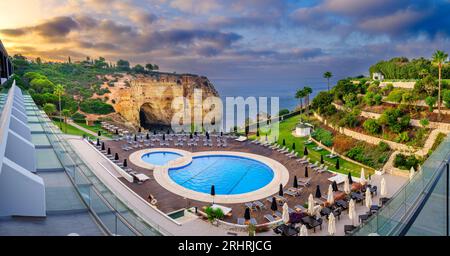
59,91
66,114
308,90
300,94
328,75
439,57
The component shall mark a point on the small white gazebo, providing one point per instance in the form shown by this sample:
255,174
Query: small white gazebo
303,130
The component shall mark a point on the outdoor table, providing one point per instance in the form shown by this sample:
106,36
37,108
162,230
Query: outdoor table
311,222
341,203
363,217
286,230
326,212
383,200
358,197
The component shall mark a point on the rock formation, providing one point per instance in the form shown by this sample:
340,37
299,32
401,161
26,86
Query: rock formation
151,96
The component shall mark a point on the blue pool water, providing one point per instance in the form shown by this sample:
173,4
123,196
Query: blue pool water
160,158
229,174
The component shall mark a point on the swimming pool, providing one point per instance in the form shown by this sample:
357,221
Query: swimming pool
160,157
230,175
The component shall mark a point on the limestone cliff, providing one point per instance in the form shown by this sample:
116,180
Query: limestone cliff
151,96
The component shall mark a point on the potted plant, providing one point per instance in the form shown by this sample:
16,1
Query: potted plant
251,230
213,214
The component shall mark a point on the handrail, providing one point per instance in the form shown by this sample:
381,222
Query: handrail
408,198
74,164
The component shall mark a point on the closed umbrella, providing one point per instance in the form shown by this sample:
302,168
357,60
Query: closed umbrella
125,163
213,192
117,132
318,193
109,151
306,172
135,137
303,231
311,204
305,151
293,146
368,199
295,182
362,179
164,137
116,157
280,191
335,186
383,189
99,133
103,146
285,216
350,180
154,132
147,136
191,136
247,216
221,134
412,172
321,159
352,212
98,142
274,206
331,224
346,186
330,195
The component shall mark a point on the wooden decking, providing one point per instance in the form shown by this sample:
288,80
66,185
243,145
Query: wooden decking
168,202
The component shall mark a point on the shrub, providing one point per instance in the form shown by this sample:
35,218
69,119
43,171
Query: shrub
372,126
424,122
446,98
402,137
78,117
430,101
96,106
213,213
349,120
406,162
283,112
395,95
326,137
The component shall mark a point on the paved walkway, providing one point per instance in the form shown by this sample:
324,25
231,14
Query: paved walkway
95,160
79,127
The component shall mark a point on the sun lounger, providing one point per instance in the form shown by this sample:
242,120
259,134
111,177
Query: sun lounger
301,159
278,214
249,205
241,139
323,169
281,149
290,193
304,161
259,205
304,181
284,151
241,221
269,218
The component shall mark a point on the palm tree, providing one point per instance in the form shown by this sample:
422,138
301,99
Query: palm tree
328,75
59,91
66,114
300,94
308,90
439,57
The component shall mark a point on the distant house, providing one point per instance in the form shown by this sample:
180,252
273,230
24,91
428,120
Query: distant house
303,130
378,76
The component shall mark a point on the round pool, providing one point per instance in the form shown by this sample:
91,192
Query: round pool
230,175
160,157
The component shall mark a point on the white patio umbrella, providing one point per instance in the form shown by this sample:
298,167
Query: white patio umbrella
368,198
362,179
332,151
352,212
303,231
412,172
311,204
331,224
383,189
346,185
330,195
285,216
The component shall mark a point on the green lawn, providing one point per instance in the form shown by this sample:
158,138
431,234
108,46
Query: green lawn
285,132
69,129
95,128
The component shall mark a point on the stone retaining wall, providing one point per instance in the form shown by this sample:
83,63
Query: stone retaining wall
404,85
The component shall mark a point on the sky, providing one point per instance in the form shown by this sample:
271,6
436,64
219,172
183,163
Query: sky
245,45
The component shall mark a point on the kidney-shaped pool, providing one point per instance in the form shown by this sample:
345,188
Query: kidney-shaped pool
229,174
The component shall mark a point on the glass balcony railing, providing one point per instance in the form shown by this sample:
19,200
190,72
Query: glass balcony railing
112,214
420,202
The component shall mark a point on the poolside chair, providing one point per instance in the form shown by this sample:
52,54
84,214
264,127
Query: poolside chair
314,165
304,181
241,221
286,150
269,218
304,161
295,155
323,169
301,159
259,205
250,205
289,154
290,193
281,149
318,167
278,214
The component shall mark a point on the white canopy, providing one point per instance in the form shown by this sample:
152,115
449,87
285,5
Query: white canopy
383,189
330,195
303,231
368,198
285,216
346,185
311,204
331,225
352,212
362,180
